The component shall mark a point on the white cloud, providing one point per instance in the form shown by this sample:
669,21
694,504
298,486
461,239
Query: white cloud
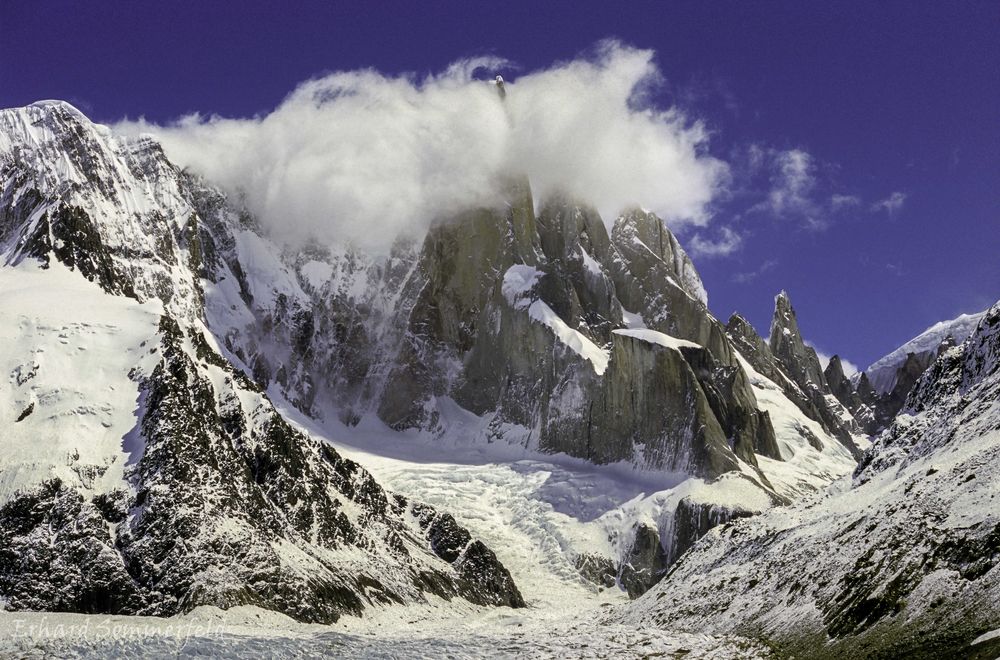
891,204
793,191
794,180
360,157
838,202
727,243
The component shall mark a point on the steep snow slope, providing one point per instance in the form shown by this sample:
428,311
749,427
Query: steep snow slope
900,561
882,372
70,358
804,467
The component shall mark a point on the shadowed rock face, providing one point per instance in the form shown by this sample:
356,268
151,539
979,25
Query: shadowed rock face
655,278
795,373
454,333
787,345
687,410
874,412
644,564
861,408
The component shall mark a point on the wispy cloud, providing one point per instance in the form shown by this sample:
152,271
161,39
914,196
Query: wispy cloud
792,189
891,204
793,182
726,242
838,202
750,276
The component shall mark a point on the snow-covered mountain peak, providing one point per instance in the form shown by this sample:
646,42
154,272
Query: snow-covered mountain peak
883,372
112,207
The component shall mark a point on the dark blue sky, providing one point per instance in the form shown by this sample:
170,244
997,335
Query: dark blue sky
897,97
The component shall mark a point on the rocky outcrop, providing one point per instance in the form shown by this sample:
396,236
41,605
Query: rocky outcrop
789,348
692,520
801,365
229,505
916,571
861,408
645,562
655,279
798,378
683,436
594,403
873,411
650,551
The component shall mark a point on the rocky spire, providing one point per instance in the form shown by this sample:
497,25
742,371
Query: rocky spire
788,346
801,364
841,387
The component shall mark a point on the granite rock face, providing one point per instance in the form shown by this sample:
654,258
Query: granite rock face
802,366
551,355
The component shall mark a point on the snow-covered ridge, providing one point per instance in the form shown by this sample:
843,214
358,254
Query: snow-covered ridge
882,372
899,562
659,338
54,161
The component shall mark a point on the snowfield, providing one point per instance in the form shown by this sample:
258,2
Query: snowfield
68,348
247,632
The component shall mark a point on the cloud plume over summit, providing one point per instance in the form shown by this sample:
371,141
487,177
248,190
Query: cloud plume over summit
360,156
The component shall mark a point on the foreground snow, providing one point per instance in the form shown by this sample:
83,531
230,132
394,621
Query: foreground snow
250,632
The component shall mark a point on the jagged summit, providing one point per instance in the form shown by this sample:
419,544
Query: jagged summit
787,361
501,88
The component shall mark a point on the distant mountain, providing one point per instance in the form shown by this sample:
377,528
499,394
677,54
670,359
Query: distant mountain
883,373
876,395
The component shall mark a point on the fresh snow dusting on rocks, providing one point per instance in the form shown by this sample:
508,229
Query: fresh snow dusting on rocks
902,560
